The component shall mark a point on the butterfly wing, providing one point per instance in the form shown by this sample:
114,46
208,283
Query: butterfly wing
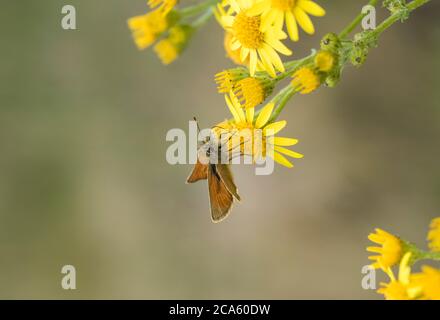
219,196
224,171
200,172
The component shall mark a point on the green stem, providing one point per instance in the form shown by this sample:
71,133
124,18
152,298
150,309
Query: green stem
292,66
398,15
430,256
200,21
419,254
281,100
197,9
344,33
282,97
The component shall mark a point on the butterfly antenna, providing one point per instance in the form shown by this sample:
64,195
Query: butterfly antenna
195,119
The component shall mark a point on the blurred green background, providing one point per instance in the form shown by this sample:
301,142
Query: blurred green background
84,181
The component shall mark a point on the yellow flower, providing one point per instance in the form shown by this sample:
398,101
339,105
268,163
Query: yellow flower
324,61
252,91
390,251
165,5
258,132
400,288
294,12
148,27
259,45
171,47
305,80
429,282
434,235
227,80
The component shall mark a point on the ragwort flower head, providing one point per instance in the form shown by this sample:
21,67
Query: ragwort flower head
429,282
252,91
147,28
401,288
256,40
227,80
258,132
389,252
305,80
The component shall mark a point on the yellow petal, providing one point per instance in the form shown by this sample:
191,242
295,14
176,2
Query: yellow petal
274,57
258,8
235,44
284,142
279,34
375,265
281,160
244,52
264,115
253,62
374,258
288,152
383,232
274,128
375,249
404,269
235,6
238,107
279,20
311,8
268,19
250,115
389,272
304,21
227,21
232,109
375,238
292,26
266,63
279,46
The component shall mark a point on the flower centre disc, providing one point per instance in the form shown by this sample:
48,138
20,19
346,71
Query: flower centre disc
247,31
